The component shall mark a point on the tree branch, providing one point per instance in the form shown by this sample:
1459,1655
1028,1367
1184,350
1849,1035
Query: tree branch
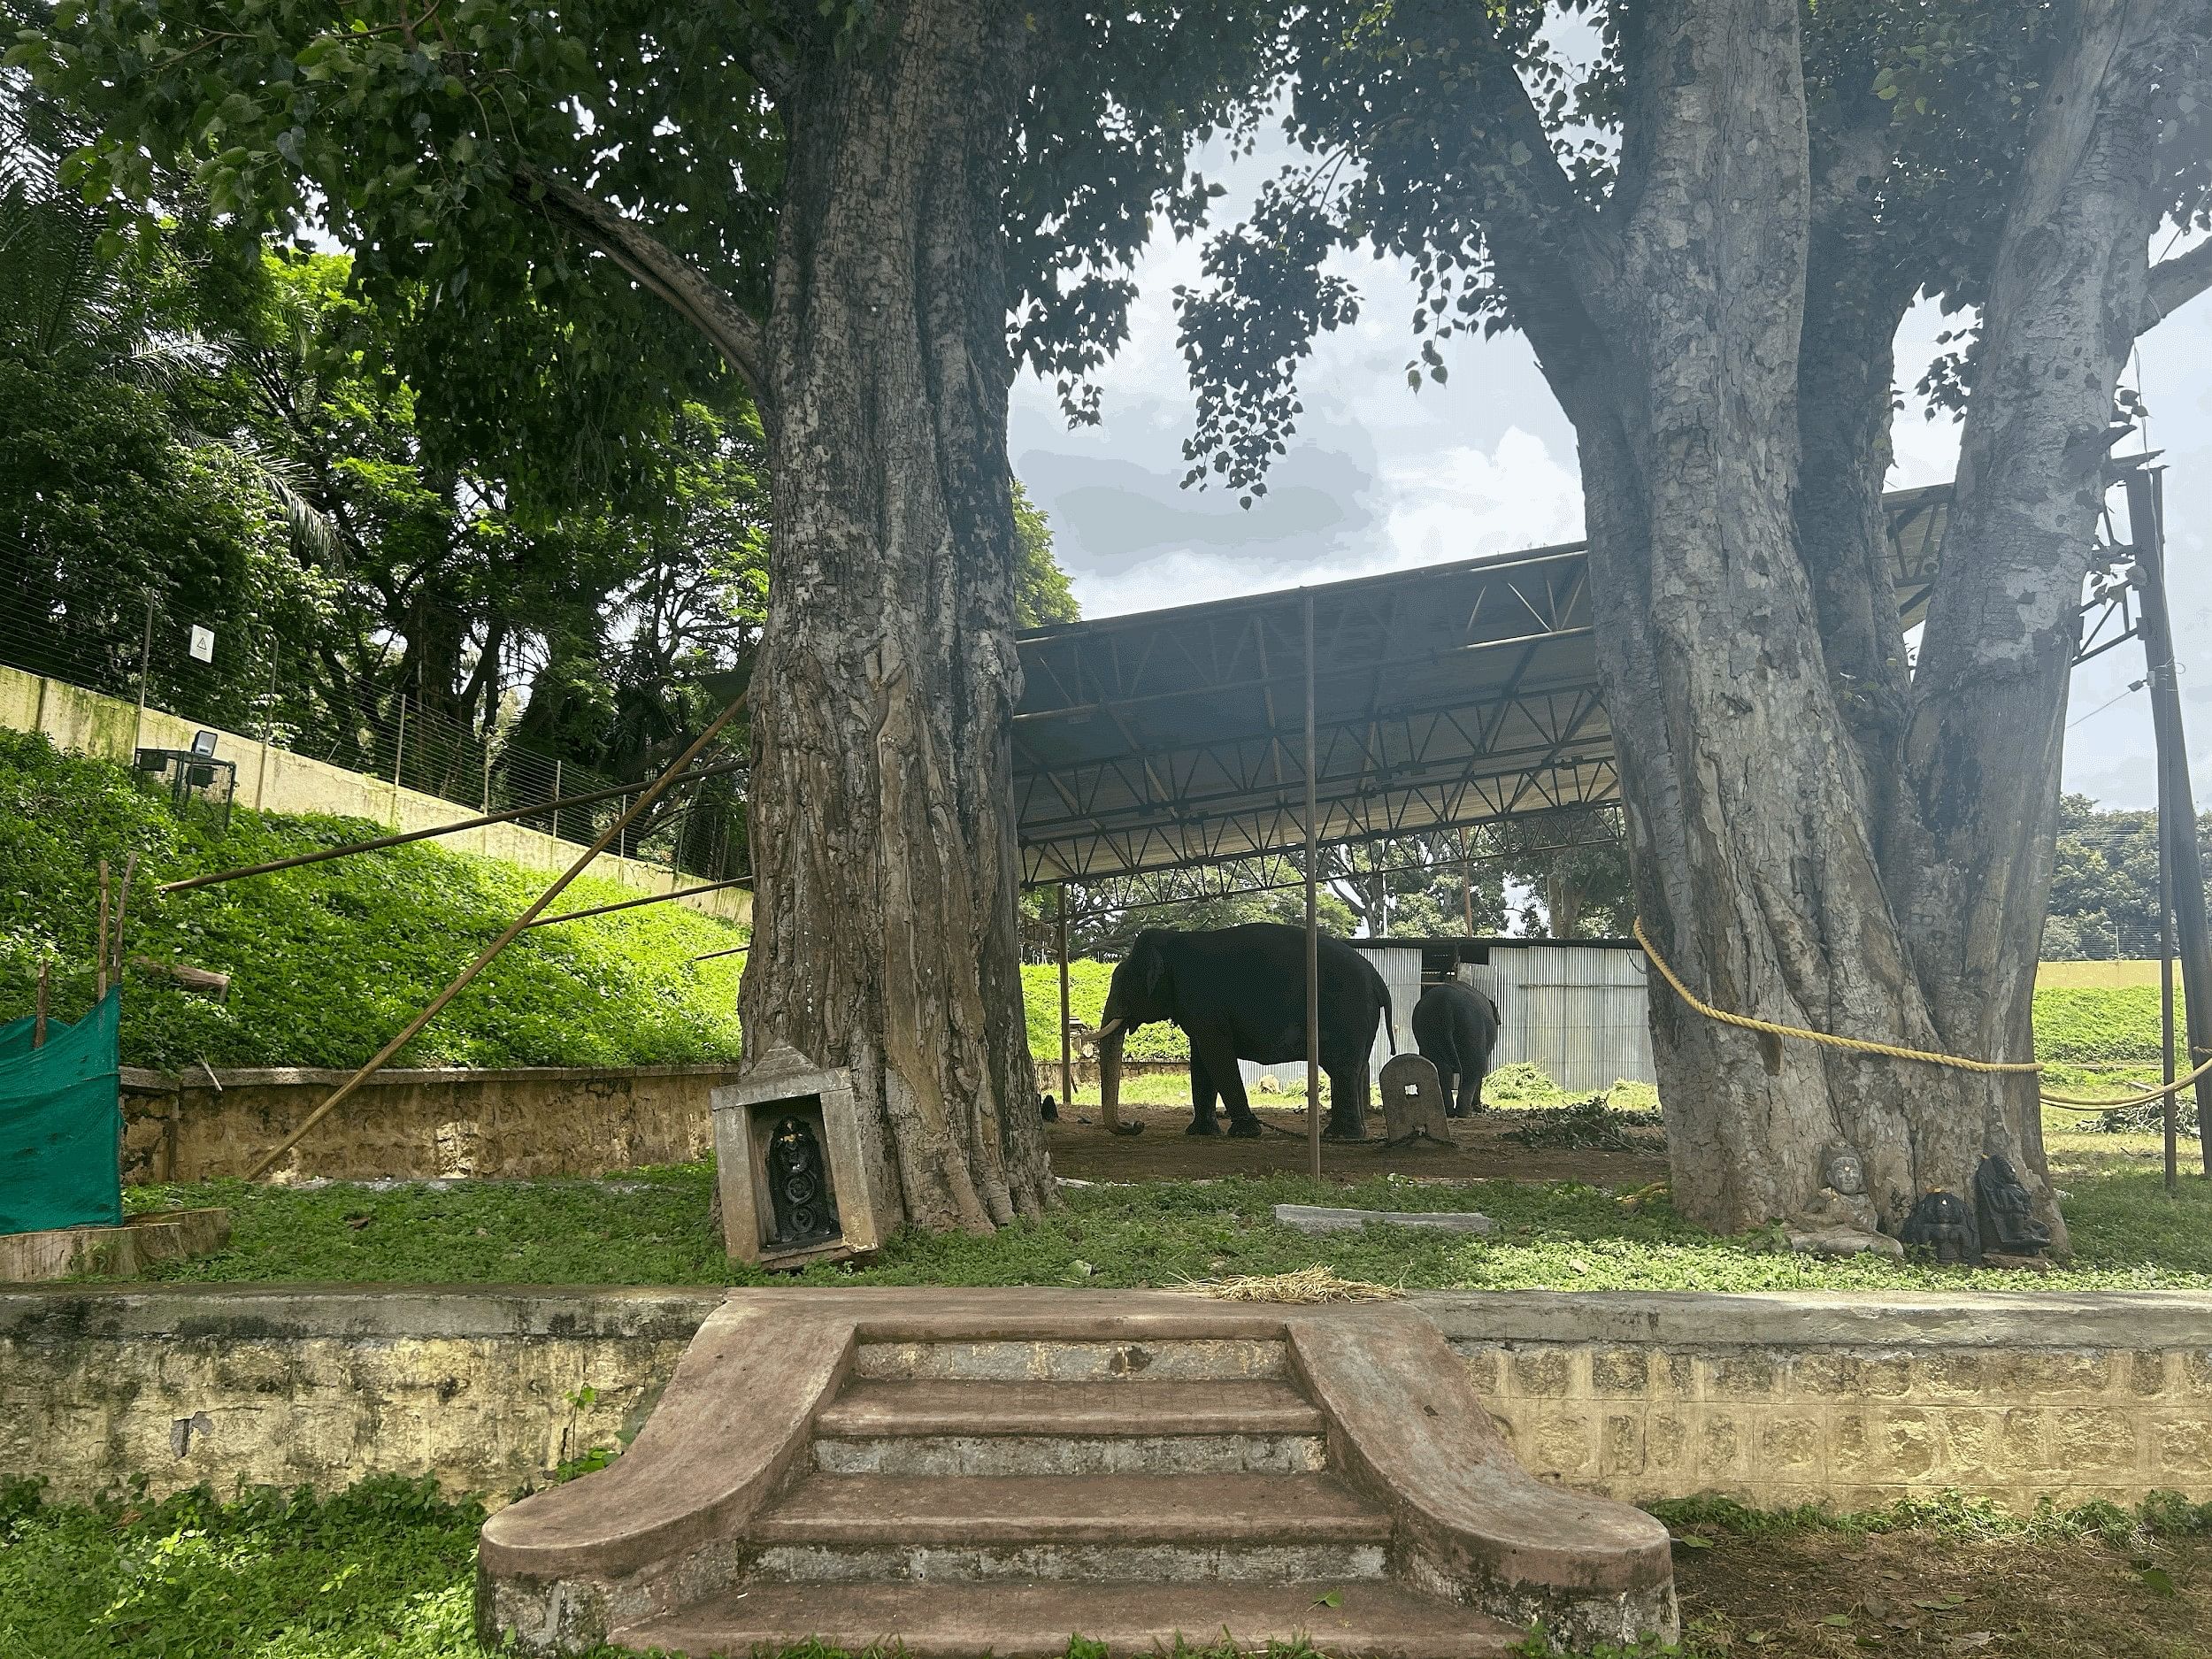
2174,283
656,268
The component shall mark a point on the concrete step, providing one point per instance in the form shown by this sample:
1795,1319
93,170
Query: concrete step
1074,1359
988,1428
1033,1621
1164,1528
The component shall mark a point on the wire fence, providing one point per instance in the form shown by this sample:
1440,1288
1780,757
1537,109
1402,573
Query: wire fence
250,681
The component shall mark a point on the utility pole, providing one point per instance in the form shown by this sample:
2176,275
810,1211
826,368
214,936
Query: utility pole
2176,800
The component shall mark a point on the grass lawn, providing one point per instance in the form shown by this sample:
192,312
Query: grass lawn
651,1228
386,1570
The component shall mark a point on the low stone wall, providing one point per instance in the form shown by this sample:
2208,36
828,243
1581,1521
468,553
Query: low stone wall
1848,1400
1845,1400
527,1122
284,1386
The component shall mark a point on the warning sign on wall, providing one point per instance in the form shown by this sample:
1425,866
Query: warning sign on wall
203,643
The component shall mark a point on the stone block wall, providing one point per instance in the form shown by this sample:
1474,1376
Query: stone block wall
527,1122
1849,1401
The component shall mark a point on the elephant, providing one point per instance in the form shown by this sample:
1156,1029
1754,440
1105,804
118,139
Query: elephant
1240,993
1455,1027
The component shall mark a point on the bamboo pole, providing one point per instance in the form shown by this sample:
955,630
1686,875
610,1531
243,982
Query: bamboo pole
100,957
38,1024
631,904
122,902
381,842
659,786
1313,929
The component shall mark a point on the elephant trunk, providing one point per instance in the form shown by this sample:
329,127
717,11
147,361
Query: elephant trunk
1110,1039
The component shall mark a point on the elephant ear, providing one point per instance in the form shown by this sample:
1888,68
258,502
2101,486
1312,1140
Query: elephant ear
1154,964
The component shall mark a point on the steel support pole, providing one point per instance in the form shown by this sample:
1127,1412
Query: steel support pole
2166,983
1313,927
1060,928
2178,811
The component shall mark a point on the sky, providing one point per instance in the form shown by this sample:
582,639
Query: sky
1383,478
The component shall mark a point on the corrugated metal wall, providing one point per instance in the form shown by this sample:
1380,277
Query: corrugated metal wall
1578,1012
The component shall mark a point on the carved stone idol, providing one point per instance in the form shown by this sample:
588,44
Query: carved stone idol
798,1187
1845,1170
2005,1211
1941,1221
1841,1204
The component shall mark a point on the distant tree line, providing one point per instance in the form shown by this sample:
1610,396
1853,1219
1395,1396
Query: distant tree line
2104,884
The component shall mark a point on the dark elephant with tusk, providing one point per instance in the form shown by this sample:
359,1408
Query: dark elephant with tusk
1455,1027
1240,993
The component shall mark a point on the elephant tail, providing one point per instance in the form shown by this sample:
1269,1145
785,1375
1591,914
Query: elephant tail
1390,1017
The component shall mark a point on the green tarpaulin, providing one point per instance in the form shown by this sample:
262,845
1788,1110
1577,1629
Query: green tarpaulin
61,1123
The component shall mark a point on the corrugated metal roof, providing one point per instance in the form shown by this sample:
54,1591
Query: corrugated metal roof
1449,696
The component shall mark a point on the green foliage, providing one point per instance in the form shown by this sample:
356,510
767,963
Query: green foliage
2085,1027
651,1227
327,962
1041,594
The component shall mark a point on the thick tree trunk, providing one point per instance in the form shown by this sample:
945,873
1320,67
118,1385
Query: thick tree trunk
886,938
1745,803
1970,869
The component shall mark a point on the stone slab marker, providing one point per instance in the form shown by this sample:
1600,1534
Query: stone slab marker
1413,1101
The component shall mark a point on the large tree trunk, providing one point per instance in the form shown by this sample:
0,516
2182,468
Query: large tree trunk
886,937
1972,835
1746,807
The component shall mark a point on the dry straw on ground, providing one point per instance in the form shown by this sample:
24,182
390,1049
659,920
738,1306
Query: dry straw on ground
1307,1285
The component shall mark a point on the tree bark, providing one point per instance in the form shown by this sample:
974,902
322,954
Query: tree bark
885,872
1972,835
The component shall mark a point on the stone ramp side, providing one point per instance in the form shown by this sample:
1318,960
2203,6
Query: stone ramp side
862,1465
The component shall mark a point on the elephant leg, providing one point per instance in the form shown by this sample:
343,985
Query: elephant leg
1202,1095
1348,1101
1221,1065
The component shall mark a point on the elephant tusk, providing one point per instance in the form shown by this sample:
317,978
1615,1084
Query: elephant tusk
1110,1028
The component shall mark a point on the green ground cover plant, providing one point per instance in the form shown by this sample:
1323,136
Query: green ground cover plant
385,1569
329,961
651,1227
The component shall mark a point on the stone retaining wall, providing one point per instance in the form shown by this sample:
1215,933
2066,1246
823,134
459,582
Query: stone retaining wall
1841,1398
528,1123
1848,1400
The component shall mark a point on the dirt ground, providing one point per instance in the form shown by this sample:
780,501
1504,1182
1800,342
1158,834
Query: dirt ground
1824,1596
1479,1151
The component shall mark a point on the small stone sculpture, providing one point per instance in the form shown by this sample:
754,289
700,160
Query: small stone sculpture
2005,1211
1840,1220
798,1187
1942,1222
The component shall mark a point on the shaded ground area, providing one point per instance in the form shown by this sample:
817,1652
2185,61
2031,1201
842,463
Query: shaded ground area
651,1228
386,1569
1483,1149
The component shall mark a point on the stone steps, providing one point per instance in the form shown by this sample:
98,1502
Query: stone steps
993,1429
1165,1528
1032,1621
964,1472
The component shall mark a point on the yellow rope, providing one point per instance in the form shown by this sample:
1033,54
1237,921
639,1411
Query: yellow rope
1857,1044
1860,1045
2145,1099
